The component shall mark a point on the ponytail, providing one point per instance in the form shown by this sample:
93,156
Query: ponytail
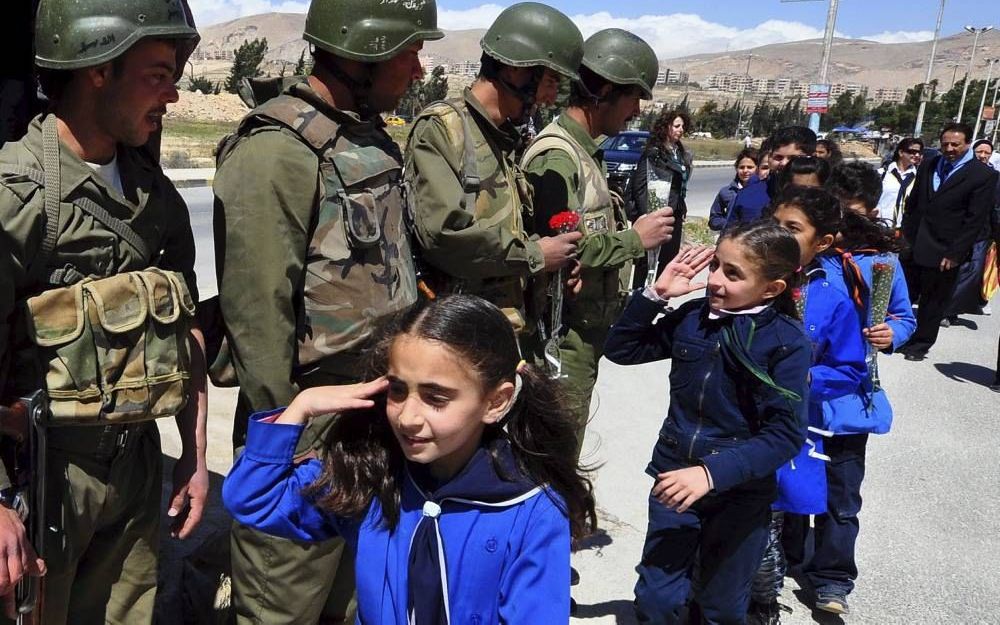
543,437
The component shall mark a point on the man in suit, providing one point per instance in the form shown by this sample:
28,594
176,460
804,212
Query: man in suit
952,198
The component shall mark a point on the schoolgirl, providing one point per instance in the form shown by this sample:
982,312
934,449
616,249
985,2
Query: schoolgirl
746,166
452,476
864,255
814,217
737,412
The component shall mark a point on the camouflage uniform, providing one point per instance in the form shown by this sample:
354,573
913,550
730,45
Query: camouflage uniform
481,249
322,216
101,552
565,168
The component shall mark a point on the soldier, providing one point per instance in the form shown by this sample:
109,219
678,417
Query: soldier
470,198
97,242
566,171
309,190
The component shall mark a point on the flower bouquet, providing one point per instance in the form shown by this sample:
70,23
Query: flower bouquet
883,271
560,223
657,197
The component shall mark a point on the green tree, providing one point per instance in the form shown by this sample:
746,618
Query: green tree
304,66
246,63
201,84
435,86
849,109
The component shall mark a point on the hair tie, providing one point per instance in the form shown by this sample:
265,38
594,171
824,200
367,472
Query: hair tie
520,366
799,270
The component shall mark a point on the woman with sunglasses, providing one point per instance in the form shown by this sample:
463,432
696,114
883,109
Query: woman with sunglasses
897,179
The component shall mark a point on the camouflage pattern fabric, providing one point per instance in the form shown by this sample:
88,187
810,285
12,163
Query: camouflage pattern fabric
359,266
484,250
115,349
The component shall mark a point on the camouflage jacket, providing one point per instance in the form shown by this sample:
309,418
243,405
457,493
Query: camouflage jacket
311,245
85,246
483,249
565,168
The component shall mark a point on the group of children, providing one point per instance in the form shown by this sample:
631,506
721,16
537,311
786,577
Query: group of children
451,476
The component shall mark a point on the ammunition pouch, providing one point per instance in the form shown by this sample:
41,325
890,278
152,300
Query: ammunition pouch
113,350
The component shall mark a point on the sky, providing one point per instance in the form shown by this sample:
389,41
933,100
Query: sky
683,27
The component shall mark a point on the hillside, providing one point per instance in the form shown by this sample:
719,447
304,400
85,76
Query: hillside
853,60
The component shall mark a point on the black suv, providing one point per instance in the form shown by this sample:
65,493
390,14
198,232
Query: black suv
621,153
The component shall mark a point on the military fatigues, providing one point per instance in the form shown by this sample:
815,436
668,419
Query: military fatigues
314,196
472,242
566,170
105,482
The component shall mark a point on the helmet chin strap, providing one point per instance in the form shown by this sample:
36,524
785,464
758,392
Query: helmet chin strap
361,89
525,94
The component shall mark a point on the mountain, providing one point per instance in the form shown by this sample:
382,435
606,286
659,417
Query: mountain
859,61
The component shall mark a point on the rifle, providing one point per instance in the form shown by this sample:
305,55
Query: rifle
22,423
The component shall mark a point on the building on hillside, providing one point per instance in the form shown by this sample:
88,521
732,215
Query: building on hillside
839,89
469,69
892,95
668,76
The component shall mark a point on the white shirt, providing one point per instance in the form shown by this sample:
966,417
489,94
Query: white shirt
887,208
110,173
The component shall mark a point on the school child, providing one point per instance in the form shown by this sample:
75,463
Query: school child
452,476
814,217
746,166
737,412
864,247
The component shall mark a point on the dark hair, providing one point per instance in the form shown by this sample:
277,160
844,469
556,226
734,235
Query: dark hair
982,142
833,149
765,147
904,145
365,461
750,153
963,128
775,252
805,166
661,127
860,182
798,135
819,206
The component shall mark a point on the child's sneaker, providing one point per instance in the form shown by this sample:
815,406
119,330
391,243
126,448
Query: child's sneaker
833,602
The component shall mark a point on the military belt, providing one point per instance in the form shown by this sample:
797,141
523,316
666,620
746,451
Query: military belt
104,443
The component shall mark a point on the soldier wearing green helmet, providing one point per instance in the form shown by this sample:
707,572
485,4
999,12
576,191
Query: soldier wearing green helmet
565,169
470,199
83,204
310,188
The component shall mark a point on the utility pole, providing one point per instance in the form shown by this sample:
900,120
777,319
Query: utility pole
982,102
746,79
968,74
831,25
925,91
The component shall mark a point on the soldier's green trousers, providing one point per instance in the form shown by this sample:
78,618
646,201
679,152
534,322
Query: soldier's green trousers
104,524
581,351
277,581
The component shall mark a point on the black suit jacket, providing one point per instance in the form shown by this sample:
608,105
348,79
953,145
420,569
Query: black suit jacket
946,223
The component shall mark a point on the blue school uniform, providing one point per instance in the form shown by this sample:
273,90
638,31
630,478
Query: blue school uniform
724,418
752,199
500,561
838,370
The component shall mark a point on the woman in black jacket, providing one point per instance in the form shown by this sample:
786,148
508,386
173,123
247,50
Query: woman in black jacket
664,158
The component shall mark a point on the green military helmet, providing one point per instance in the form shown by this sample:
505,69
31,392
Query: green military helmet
530,34
370,31
73,34
622,58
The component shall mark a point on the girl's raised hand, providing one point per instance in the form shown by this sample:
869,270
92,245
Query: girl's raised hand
321,400
676,278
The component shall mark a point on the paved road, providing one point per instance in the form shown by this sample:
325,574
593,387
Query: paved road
929,547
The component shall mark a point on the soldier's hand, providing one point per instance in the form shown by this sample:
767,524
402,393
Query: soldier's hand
655,228
189,496
17,556
322,400
574,284
559,250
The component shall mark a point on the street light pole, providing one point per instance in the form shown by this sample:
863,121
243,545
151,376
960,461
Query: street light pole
968,74
982,102
925,93
831,24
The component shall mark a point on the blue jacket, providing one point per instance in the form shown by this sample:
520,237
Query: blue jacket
720,415
900,315
752,199
723,202
838,369
505,564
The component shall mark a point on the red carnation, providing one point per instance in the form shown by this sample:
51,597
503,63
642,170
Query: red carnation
566,221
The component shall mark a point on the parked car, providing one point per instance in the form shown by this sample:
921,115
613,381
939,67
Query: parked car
621,153
395,120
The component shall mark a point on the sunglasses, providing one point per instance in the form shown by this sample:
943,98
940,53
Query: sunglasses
914,152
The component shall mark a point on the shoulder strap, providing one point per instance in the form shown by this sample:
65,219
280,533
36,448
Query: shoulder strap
550,140
468,171
48,179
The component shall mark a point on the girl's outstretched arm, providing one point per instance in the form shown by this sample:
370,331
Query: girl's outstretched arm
635,339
